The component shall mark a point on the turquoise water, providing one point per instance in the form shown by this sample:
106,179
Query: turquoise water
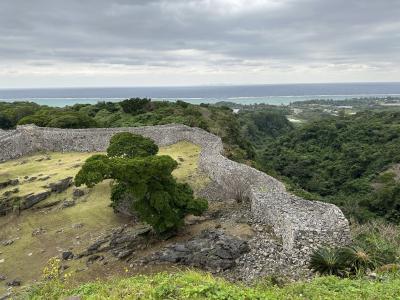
282,94
273,100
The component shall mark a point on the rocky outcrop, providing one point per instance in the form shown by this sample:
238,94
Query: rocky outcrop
77,193
67,203
212,250
33,199
8,182
7,194
10,202
7,204
121,242
296,221
61,185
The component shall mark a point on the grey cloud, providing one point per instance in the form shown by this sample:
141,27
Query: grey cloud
154,32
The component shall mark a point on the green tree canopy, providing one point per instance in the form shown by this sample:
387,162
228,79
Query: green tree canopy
337,157
135,106
5,122
126,144
49,117
143,179
72,120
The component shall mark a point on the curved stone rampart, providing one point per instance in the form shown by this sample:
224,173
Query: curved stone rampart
300,223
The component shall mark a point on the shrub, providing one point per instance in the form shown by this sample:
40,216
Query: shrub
386,202
375,244
382,240
358,259
328,261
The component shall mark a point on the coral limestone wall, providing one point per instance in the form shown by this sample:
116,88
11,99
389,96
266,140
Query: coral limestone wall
300,223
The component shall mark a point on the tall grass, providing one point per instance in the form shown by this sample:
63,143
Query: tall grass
380,238
375,245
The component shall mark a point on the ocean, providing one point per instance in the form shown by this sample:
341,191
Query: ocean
277,94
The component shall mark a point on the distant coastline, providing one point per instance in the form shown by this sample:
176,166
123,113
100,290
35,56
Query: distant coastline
279,94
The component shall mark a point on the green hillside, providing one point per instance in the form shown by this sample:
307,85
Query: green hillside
342,160
47,229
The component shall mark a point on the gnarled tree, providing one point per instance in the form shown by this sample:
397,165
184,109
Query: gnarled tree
144,179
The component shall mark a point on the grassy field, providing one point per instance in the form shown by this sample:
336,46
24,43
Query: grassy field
26,257
194,285
54,166
187,156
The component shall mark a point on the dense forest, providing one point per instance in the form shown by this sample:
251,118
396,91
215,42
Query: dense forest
346,160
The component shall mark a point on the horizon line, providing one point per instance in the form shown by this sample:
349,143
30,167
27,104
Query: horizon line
200,85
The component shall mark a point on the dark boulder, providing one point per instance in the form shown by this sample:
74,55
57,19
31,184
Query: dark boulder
78,193
67,255
33,199
15,282
61,185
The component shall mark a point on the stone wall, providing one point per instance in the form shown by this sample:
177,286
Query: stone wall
301,224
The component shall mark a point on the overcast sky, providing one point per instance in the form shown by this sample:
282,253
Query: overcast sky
51,43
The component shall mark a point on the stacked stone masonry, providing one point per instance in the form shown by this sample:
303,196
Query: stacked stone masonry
296,221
